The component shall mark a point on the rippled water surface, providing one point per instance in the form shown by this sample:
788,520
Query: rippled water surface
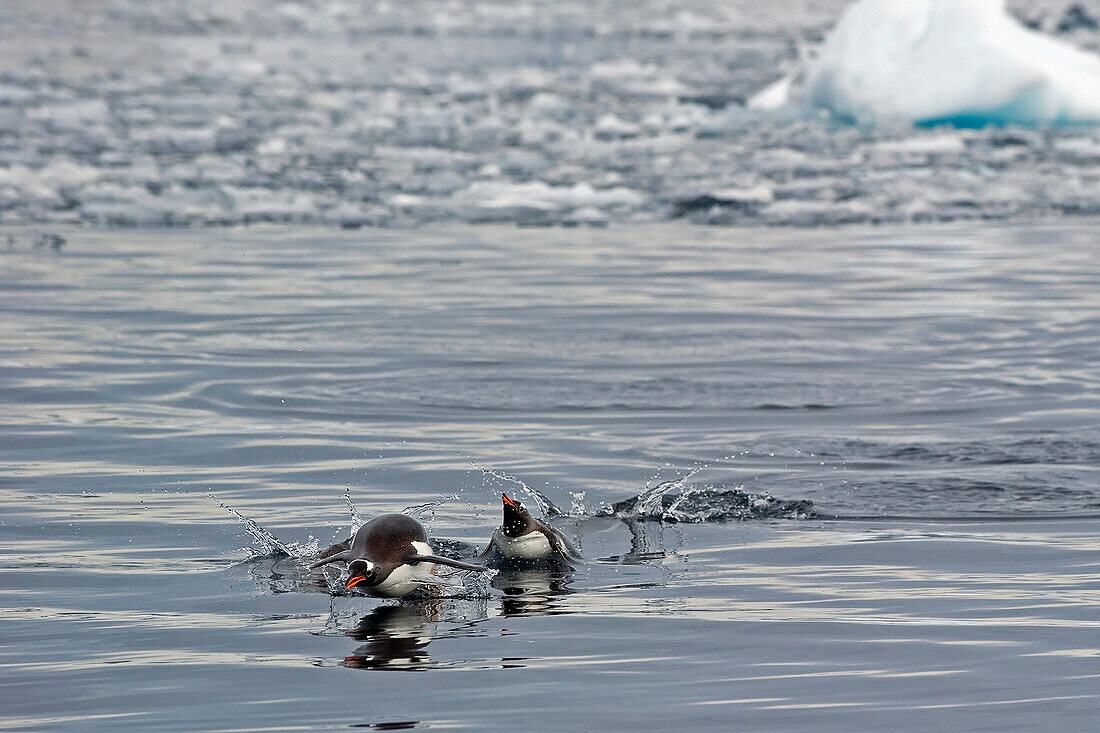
834,478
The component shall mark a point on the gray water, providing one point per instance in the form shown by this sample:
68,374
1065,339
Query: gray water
855,469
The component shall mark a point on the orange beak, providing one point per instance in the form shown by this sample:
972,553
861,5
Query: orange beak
352,582
508,500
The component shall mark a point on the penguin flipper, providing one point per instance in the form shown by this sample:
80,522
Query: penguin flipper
567,547
413,559
559,542
335,557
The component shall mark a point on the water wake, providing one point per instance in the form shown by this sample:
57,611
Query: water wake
675,502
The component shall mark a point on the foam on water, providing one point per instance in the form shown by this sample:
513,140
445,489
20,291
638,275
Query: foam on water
962,62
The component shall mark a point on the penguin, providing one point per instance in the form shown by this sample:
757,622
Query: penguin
389,557
521,537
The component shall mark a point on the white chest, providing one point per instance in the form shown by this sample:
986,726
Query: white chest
405,579
531,546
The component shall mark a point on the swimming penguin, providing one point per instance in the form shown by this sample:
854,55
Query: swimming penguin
389,556
522,537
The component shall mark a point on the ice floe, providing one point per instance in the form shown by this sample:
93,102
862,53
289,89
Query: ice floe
928,62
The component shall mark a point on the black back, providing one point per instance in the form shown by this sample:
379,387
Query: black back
387,540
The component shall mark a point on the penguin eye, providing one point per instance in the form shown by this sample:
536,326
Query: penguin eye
360,567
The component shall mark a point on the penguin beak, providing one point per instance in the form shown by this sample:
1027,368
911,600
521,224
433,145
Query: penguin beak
508,501
354,581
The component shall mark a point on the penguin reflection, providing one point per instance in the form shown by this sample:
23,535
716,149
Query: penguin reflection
394,638
533,591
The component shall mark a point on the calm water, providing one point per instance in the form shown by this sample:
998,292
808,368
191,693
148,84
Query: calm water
900,424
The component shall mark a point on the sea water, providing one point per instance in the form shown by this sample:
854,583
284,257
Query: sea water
832,478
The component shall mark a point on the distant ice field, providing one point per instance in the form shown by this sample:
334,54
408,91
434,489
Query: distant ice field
404,113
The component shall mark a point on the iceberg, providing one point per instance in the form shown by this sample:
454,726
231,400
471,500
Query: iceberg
966,63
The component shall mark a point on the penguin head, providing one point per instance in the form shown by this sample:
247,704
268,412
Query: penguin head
517,520
361,571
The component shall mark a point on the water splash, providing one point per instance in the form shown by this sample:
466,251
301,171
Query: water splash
276,573
266,541
267,545
674,501
547,507
456,584
650,500
333,577
356,519
426,512
458,549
